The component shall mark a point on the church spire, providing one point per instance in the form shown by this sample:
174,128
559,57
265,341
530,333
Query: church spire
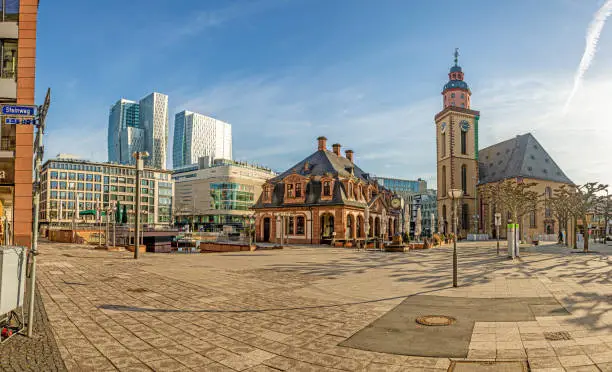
456,92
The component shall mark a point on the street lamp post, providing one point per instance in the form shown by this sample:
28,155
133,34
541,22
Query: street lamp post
114,213
455,194
497,224
139,156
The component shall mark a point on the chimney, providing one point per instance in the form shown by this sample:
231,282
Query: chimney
349,155
322,143
336,147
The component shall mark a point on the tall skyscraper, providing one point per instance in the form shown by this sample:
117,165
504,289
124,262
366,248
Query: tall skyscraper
141,126
154,121
123,114
197,135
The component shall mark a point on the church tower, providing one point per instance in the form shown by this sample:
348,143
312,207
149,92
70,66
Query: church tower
457,153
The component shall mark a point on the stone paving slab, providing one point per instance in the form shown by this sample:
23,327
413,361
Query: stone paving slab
39,353
398,332
292,309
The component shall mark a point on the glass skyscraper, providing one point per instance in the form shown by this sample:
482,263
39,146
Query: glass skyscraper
196,136
141,126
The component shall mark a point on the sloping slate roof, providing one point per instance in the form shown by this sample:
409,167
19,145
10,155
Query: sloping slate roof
320,163
522,156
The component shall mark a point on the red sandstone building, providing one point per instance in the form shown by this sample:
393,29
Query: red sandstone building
17,78
325,197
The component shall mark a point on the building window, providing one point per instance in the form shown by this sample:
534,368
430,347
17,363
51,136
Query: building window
443,181
326,188
81,177
465,217
532,219
298,190
63,176
443,144
463,142
300,223
464,179
54,175
452,95
290,226
72,176
290,190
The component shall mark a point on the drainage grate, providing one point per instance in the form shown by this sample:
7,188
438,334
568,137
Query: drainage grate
557,336
487,366
435,320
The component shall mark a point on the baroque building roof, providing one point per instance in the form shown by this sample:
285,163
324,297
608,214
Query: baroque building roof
316,168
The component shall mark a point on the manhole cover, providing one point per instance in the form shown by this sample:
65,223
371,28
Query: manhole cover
557,336
487,366
435,320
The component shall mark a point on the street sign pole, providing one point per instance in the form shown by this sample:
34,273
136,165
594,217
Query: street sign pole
38,156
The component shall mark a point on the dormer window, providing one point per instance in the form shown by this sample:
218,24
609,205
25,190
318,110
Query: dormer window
290,190
350,189
298,190
326,188
267,193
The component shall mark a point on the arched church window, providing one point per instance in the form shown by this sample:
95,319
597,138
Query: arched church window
463,142
443,144
464,178
443,183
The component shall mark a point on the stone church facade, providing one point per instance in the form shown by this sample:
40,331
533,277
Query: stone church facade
462,165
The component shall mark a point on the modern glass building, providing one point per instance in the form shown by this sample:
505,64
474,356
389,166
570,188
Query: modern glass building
196,136
210,196
141,126
123,114
66,181
154,121
403,186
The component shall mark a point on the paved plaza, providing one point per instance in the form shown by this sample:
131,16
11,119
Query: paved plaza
294,309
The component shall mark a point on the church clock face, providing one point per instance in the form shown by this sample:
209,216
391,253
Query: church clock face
443,127
396,203
465,126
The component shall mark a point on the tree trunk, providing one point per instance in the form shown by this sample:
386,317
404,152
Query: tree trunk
586,234
575,232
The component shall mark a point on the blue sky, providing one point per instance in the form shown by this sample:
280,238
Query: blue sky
366,74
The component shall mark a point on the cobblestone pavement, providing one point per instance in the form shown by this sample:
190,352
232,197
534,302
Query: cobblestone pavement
290,309
39,353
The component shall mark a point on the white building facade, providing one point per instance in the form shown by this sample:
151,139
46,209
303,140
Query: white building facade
210,196
197,136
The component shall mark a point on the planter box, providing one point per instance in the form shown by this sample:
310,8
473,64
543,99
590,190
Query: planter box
338,244
348,245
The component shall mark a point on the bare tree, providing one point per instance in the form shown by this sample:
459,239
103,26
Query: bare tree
512,196
561,208
582,202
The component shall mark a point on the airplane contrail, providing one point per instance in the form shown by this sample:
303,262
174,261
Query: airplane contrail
592,38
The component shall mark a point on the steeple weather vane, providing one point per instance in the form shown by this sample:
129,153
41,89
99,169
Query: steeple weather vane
456,55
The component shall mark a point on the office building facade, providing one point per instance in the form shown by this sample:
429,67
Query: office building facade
197,136
67,180
141,126
219,194
18,22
